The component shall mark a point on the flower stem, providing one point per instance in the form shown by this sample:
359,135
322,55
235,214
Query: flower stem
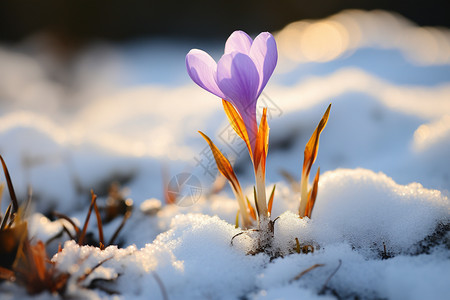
261,193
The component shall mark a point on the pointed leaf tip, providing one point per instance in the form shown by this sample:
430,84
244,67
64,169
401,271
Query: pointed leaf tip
272,194
310,154
312,147
223,164
237,123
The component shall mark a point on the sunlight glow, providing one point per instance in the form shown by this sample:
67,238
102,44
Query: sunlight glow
341,34
324,41
428,134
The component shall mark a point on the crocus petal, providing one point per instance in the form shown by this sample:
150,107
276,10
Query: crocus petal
202,69
264,54
238,79
238,41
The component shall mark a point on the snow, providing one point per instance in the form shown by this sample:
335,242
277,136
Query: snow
129,114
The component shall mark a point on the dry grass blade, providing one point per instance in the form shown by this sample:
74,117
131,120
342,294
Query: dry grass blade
99,225
158,280
322,291
69,233
81,233
240,233
90,270
116,233
312,195
71,222
100,228
6,217
86,222
39,257
31,270
12,194
235,236
301,274
237,123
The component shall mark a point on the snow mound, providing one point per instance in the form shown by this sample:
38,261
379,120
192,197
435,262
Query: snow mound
355,276
430,144
366,209
356,211
193,260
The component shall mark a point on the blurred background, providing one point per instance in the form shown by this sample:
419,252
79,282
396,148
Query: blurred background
75,21
93,92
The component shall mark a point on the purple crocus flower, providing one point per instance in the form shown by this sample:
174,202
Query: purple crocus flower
240,75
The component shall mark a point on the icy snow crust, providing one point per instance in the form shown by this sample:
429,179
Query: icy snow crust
133,117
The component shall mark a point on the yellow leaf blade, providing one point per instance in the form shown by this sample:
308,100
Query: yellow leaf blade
251,209
237,123
262,140
312,147
272,195
223,164
312,195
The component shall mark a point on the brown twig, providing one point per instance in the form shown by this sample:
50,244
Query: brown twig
322,291
300,275
99,223
86,222
62,216
89,272
116,233
161,286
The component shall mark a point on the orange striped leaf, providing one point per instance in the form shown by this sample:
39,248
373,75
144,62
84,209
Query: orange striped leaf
223,164
312,195
272,194
251,209
312,147
262,140
237,123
